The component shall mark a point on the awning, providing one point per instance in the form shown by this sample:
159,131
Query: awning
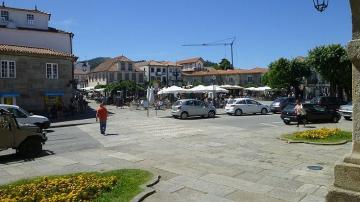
9,94
50,93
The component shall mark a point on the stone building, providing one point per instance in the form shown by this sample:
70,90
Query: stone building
240,77
113,70
192,64
35,78
36,61
164,73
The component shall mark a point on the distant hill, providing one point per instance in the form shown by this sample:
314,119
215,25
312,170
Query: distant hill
95,61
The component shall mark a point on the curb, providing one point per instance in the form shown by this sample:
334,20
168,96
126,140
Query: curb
149,190
314,143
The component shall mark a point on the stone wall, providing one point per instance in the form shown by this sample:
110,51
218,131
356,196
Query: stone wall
31,82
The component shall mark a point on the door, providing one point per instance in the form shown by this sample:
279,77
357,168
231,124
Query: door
6,137
317,113
203,110
190,108
252,106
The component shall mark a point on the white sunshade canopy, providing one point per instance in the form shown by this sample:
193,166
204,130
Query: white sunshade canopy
231,87
172,89
99,90
264,88
88,88
206,89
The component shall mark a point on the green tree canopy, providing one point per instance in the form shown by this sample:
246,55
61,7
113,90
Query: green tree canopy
123,85
333,64
224,65
284,73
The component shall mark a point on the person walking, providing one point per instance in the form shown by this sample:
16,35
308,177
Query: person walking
101,116
300,113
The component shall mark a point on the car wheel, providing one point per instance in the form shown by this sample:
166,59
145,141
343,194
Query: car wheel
211,114
287,122
238,112
30,148
264,111
335,119
347,118
184,115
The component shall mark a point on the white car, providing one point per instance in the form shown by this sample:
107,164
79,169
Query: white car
241,106
24,117
346,111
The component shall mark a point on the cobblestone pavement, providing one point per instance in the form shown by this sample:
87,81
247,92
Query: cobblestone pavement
227,158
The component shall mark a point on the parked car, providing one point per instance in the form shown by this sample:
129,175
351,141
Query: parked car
280,103
26,139
326,101
314,113
24,117
241,106
191,107
346,110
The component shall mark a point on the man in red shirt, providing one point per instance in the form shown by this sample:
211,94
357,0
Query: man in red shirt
101,115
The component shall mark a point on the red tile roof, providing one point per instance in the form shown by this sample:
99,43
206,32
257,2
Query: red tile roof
191,60
25,50
256,70
110,64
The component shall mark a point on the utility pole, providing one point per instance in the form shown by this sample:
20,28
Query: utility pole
220,43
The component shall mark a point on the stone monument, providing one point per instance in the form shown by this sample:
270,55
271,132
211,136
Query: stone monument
347,173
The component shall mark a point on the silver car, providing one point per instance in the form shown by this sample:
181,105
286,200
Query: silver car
191,107
346,111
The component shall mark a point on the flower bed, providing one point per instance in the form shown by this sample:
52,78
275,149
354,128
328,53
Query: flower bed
77,187
320,136
318,133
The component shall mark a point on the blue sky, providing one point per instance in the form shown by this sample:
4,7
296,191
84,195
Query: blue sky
155,29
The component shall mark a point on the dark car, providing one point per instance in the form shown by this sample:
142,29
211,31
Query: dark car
314,113
327,102
280,103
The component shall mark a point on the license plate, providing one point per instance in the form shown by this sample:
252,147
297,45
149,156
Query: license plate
287,119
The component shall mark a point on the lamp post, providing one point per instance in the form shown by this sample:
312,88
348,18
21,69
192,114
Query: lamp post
213,78
321,5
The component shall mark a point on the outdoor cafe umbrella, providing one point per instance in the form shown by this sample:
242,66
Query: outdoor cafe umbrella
216,88
172,90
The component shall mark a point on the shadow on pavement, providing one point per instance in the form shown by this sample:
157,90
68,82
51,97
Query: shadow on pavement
15,158
69,125
111,134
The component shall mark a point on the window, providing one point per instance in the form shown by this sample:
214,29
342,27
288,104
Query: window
240,102
127,76
17,113
7,69
249,78
164,70
158,70
130,66
152,70
52,71
252,102
4,16
123,66
30,19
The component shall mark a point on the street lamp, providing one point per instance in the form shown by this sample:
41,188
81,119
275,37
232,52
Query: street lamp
321,5
213,83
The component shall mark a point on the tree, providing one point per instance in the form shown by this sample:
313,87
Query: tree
208,63
224,64
333,64
288,74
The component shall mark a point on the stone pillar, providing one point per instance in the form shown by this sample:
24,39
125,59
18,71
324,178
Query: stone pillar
347,173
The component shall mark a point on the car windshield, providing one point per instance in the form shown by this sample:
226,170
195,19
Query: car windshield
289,107
24,111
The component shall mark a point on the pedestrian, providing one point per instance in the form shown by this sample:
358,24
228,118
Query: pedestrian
300,113
101,116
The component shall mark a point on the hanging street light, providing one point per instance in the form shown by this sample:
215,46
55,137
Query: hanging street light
321,5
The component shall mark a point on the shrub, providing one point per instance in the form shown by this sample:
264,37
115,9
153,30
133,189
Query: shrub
83,187
322,133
